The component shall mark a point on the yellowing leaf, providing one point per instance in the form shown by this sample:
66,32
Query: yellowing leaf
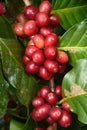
74,91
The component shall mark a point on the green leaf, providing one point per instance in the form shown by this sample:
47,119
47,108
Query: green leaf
13,69
70,12
16,125
6,30
74,41
30,124
4,86
75,89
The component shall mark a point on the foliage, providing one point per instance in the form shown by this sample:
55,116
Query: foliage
14,79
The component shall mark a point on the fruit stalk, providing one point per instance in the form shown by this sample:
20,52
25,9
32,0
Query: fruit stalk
52,87
52,84
27,2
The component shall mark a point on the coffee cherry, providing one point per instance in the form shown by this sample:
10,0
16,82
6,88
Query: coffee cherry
50,52
19,29
61,68
51,40
66,106
44,91
7,117
31,42
58,90
39,41
66,119
37,101
42,19
11,104
25,59
46,30
54,20
51,66
38,93
2,8
62,57
50,120
41,112
38,57
30,28
51,98
31,67
45,7
30,12
21,18
30,50
55,113
44,74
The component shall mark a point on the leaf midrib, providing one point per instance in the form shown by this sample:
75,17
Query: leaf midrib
67,9
70,47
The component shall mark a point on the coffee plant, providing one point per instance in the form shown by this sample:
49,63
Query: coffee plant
43,65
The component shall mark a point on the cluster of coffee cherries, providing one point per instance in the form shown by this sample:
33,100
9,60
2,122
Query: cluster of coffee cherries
2,8
41,56
45,107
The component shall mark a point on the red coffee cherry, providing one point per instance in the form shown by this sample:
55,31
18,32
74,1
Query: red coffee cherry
37,101
38,57
66,119
58,90
31,42
19,29
25,59
66,106
30,28
62,57
31,67
50,52
42,19
51,66
52,98
41,112
54,20
62,68
2,8
46,30
30,12
44,91
29,51
51,40
39,41
55,113
50,120
45,7
44,74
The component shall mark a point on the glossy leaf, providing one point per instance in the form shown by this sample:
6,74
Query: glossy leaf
30,124
6,30
4,86
75,89
16,125
70,12
11,55
74,41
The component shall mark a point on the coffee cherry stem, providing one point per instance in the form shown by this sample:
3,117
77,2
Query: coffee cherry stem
52,85
27,2
61,101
